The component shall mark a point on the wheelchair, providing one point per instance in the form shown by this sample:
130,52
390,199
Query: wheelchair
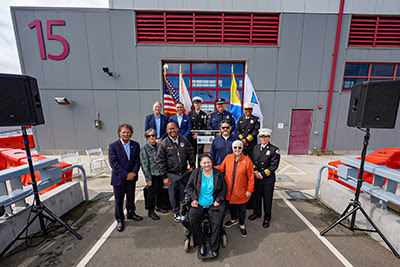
205,226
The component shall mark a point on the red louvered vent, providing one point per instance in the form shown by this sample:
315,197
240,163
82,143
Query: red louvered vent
375,31
207,28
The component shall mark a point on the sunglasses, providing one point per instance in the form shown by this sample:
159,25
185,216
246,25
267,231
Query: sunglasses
225,128
237,147
151,135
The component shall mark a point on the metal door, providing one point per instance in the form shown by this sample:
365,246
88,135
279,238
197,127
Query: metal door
300,128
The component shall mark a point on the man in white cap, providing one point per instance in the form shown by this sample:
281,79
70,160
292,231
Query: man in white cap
247,130
266,162
199,122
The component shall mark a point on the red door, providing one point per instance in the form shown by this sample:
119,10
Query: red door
300,128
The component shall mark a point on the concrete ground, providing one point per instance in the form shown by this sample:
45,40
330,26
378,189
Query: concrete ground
291,240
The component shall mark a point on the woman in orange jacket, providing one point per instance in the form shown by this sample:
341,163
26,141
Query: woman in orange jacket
239,176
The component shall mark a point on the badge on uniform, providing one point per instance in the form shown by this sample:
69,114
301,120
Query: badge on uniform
268,153
277,151
251,121
182,144
193,118
227,117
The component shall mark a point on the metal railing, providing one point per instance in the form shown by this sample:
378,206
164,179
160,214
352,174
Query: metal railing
384,184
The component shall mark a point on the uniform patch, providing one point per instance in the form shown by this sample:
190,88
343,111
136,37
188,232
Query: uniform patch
182,144
277,151
268,153
251,121
227,117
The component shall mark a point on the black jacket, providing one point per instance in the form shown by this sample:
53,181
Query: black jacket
248,129
268,158
199,122
194,185
174,158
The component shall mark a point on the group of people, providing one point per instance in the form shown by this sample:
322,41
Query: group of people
236,171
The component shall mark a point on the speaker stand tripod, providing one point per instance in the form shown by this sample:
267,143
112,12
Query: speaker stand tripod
37,207
356,205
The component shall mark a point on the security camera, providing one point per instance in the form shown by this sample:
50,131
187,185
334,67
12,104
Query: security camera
110,73
63,101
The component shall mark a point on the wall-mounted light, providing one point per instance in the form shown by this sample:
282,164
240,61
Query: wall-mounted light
63,101
110,73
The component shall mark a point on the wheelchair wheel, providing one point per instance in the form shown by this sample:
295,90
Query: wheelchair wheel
224,240
186,245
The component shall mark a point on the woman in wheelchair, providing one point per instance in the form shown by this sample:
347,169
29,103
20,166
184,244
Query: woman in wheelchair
207,189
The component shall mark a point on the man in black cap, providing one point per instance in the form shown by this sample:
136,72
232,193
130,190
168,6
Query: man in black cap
199,122
219,115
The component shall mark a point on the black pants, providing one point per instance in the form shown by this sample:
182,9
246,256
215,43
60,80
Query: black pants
265,191
176,191
127,188
238,208
154,192
216,215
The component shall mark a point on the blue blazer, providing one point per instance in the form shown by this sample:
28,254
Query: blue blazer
119,162
151,123
186,125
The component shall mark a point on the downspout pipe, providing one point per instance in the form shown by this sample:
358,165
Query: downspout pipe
333,74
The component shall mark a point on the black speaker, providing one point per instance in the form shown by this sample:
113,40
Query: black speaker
19,101
374,104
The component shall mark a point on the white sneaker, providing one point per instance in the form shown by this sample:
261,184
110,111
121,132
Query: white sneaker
177,218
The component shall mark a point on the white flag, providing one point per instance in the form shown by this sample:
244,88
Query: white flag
250,97
184,96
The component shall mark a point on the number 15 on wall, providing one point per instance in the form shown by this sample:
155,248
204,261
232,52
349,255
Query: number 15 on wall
38,24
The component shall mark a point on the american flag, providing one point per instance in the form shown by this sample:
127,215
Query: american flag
170,98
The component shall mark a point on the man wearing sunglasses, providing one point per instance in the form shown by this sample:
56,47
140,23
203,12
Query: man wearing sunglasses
247,129
266,162
219,115
222,144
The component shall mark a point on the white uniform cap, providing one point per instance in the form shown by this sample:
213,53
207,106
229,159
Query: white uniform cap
265,132
198,98
248,105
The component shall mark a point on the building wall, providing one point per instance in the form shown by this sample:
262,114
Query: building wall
294,74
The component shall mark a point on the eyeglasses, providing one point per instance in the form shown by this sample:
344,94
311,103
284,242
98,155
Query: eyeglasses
225,128
151,135
237,147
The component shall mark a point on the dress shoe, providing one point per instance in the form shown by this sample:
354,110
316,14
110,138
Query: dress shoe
163,211
153,215
202,249
135,217
265,224
215,254
120,226
253,216
230,223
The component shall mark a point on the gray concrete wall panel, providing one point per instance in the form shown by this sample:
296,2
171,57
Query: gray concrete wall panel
289,51
125,60
44,136
171,4
219,52
333,120
100,49
130,110
192,52
293,5
270,5
195,4
77,61
247,54
283,105
172,52
312,51
62,120
84,115
149,66
143,4
220,5
55,71
341,53
267,100
330,34
28,45
265,67
106,105
318,121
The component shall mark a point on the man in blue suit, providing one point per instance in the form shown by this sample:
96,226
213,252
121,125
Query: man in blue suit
183,121
124,158
157,121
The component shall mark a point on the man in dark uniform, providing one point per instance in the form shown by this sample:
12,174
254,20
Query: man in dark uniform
199,122
266,162
247,130
219,115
